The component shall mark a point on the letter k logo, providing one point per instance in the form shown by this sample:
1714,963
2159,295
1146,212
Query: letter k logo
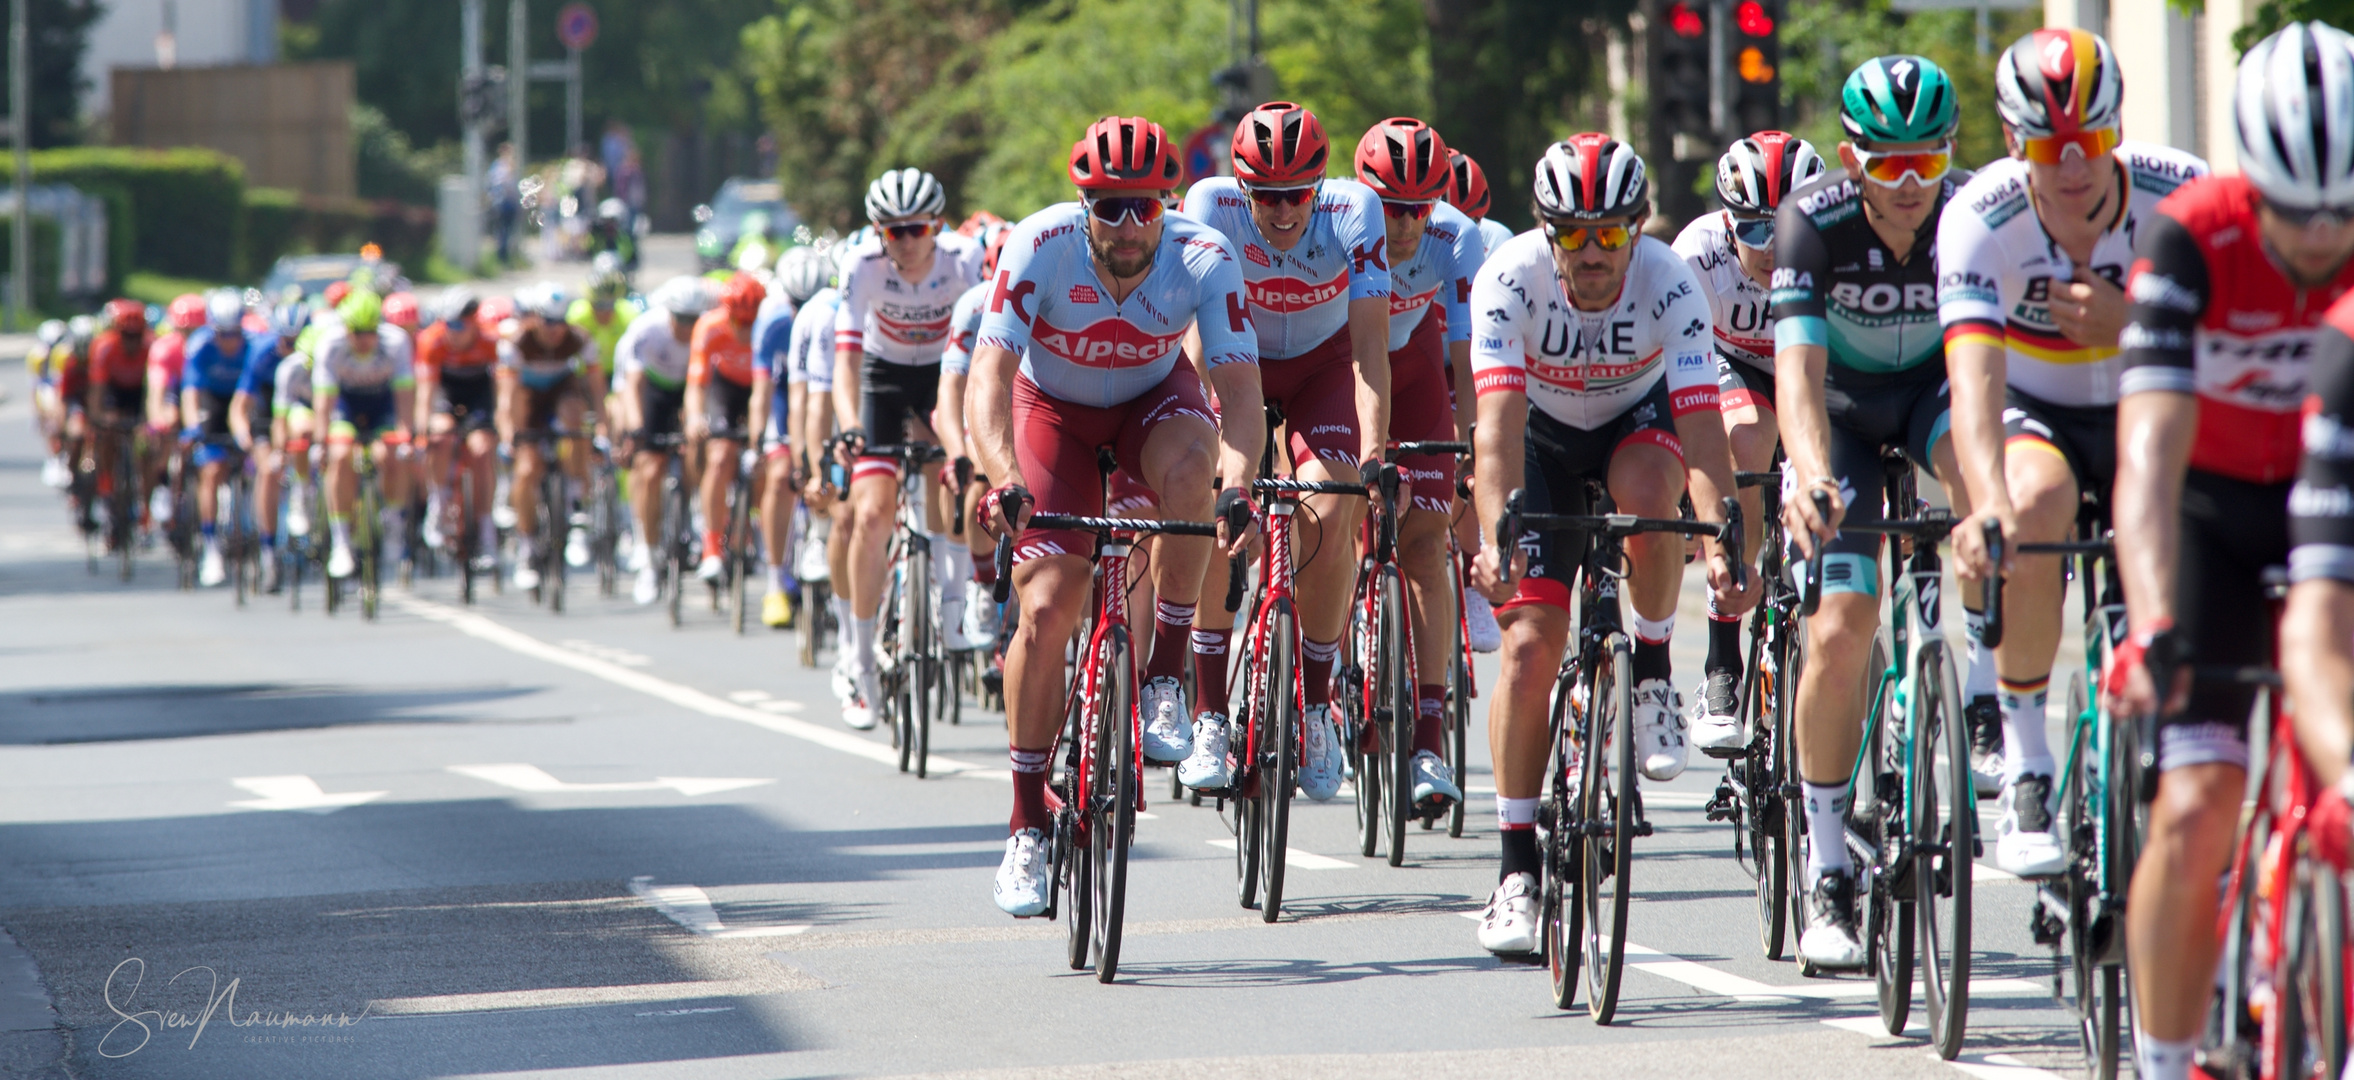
1008,292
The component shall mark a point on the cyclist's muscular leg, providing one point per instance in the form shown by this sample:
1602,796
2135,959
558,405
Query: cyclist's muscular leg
1519,724
1053,592
1422,557
2043,492
1325,536
1831,685
645,492
1646,480
1753,433
523,493
2170,925
873,501
719,474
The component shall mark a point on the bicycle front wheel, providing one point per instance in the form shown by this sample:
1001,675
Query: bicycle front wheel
739,551
1359,703
921,667
1562,918
1760,772
1112,805
677,539
1944,808
1608,809
1397,693
1279,734
368,539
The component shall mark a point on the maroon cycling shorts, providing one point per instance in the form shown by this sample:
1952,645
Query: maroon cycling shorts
1421,410
1055,444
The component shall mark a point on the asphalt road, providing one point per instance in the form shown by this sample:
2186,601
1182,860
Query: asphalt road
497,842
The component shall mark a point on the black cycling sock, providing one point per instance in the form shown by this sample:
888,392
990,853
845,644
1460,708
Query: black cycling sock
1520,853
1652,661
1724,647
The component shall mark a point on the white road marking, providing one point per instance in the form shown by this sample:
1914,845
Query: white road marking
1986,1066
297,793
690,907
1681,800
1296,859
685,697
620,656
534,779
1703,977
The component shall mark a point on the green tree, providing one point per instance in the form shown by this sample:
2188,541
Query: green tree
1824,40
2271,15
60,35
1508,77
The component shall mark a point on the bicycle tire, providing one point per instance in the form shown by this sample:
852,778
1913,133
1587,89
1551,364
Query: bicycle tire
555,529
1359,702
1889,916
1404,710
739,550
677,526
1281,730
1114,824
467,536
922,668
368,528
1786,784
1459,725
816,602
123,503
235,517
607,521
1761,770
1071,824
1942,887
1605,882
1561,925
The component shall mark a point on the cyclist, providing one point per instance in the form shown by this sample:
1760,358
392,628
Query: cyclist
458,390
1731,252
253,413
1590,349
897,295
1314,257
2231,278
43,365
651,363
546,370
1469,193
980,624
800,273
117,381
217,357
167,356
602,315
1081,348
2031,268
1434,250
360,384
726,404
2317,630
810,395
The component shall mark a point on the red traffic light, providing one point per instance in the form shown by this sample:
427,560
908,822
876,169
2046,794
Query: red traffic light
1685,22
1751,17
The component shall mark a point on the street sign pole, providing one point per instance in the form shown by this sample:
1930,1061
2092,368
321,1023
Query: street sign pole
571,99
519,79
20,130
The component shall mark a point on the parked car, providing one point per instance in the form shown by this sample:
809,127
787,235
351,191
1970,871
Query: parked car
315,272
720,222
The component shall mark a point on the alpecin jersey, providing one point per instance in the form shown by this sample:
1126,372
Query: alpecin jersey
1439,275
1300,298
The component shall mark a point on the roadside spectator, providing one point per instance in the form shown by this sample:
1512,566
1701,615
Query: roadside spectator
616,146
506,201
629,183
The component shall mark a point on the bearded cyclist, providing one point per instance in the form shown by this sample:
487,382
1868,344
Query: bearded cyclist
361,385
1859,368
1082,349
2031,259
897,295
1731,252
1434,251
1590,351
2231,279
1315,258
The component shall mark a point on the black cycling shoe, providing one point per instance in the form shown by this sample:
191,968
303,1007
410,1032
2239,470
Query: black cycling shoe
1985,717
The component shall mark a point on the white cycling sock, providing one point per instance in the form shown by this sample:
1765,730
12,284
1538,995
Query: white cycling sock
1826,828
862,640
960,563
778,581
1978,676
2025,750
2162,1059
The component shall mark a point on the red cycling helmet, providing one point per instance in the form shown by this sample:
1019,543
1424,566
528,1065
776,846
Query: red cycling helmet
1280,144
994,247
1404,159
400,309
1124,152
493,311
1469,191
185,313
336,291
742,297
130,316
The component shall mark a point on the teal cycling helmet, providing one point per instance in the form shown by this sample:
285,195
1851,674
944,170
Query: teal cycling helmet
1898,99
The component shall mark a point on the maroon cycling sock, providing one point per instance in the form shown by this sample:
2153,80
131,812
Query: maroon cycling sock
1430,719
1029,769
1172,624
1209,670
1316,659
985,567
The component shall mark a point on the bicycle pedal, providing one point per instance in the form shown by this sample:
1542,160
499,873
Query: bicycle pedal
1725,753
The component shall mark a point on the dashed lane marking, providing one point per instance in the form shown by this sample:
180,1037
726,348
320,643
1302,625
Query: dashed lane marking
1296,859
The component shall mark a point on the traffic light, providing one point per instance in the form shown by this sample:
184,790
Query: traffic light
1754,60
1679,68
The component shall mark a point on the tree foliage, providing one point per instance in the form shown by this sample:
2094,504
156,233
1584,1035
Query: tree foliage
1509,77
1824,40
2271,15
60,35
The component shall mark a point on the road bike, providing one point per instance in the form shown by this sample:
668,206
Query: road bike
555,512
367,537
908,656
1752,795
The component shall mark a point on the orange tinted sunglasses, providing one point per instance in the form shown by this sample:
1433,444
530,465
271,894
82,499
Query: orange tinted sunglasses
2052,149
1575,237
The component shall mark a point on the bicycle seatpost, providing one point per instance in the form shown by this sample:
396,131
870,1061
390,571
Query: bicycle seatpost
1238,518
1386,478
1810,594
1992,603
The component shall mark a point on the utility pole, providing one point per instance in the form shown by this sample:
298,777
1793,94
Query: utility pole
20,130
519,79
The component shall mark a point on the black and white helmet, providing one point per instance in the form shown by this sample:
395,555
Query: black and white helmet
2294,110
1757,171
904,193
683,296
802,271
1589,177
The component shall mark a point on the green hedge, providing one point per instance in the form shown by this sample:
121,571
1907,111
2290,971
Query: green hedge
281,222
48,252
186,206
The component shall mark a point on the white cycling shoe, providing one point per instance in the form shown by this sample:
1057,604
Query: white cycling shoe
648,586
1509,924
858,710
710,568
1168,737
340,564
1321,760
2024,843
211,571
1021,879
1659,730
526,575
1716,720
1207,767
298,519
1830,941
1479,623
576,547
1432,780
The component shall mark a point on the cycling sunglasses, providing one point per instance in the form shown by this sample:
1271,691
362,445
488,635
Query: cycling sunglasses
1401,209
1146,209
909,230
1754,232
2313,217
1575,237
1891,169
2053,149
1284,196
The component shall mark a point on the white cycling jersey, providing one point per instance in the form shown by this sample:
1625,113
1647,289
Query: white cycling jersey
1492,234
293,382
649,346
898,321
1300,298
1439,275
964,331
1587,368
809,358
389,367
1996,266
1081,346
1737,306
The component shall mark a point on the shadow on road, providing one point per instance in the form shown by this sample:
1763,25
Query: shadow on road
120,714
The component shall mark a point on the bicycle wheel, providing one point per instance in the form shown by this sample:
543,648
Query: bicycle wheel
1279,734
816,602
1608,810
921,637
677,537
1459,724
740,557
1944,807
1786,783
1760,772
555,529
231,513
1358,701
607,521
1561,922
1073,872
368,543
1878,814
1398,694
1112,808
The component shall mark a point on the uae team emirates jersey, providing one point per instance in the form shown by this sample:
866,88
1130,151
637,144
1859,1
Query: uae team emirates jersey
1300,298
1587,368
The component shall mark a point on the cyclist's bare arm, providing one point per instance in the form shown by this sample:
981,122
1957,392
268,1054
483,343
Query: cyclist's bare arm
1708,471
633,400
1976,369
2154,430
240,423
692,419
2314,659
847,361
504,417
1369,337
992,413
1498,444
1242,428
428,381
1466,407
951,416
1805,420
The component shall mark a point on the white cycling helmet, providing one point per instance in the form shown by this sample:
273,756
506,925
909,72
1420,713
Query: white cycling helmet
1756,171
683,296
2058,81
802,271
1589,177
2294,111
904,193
50,333
546,300
224,311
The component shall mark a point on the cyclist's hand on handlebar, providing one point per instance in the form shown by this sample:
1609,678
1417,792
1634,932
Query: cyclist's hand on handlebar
992,510
1971,559
698,427
1235,506
1806,521
1487,573
847,446
1731,599
2129,684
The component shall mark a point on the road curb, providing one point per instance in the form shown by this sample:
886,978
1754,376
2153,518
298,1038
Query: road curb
32,1045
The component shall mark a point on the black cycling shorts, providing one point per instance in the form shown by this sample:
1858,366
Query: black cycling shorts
660,407
2231,531
1559,462
891,395
2084,435
470,398
1739,383
728,405
1905,411
260,406
128,402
